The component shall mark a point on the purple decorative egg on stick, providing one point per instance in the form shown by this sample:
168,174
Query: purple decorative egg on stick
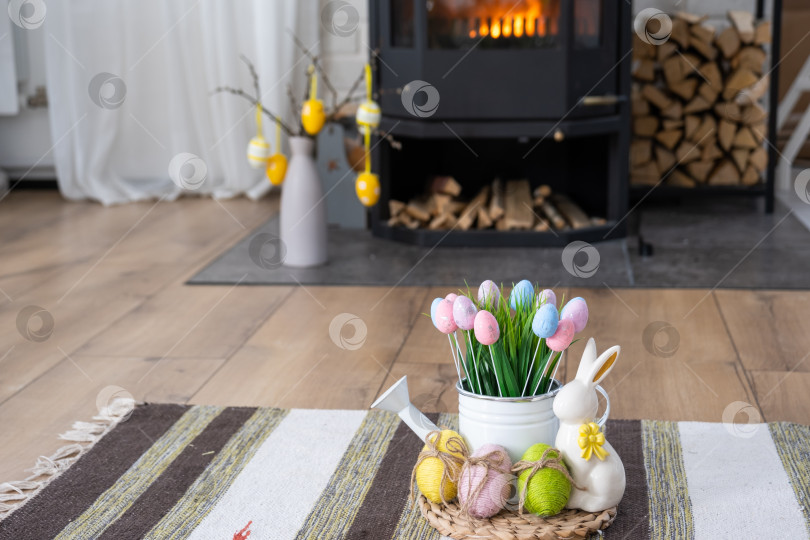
489,295
577,311
547,296
486,328
491,483
464,313
444,317
563,337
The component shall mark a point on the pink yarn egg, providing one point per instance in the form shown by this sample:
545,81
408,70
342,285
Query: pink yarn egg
444,317
464,313
451,297
576,310
489,294
495,490
486,328
563,337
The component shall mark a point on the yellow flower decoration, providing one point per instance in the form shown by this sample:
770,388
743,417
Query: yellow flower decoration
591,440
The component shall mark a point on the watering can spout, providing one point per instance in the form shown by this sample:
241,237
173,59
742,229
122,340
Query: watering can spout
397,400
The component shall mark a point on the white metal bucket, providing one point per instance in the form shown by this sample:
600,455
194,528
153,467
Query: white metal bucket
515,423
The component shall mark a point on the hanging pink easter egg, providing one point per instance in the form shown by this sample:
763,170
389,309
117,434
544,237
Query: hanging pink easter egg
547,296
452,297
563,337
495,489
488,294
576,310
464,313
444,317
486,328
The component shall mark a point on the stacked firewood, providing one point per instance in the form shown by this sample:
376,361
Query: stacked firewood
696,104
512,205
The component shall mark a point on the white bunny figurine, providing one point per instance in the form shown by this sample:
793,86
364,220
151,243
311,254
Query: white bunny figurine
591,460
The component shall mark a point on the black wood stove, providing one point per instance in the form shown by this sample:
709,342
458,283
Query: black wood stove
534,89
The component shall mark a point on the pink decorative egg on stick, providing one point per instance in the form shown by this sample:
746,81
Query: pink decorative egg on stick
483,489
464,313
486,327
444,317
487,332
451,297
563,337
443,320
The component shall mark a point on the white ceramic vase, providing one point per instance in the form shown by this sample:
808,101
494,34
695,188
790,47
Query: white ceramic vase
303,208
515,423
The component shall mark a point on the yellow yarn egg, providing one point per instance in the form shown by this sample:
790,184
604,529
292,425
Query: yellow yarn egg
367,187
429,472
368,115
312,116
258,151
276,169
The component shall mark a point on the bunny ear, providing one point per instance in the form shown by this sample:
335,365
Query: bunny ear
603,365
588,358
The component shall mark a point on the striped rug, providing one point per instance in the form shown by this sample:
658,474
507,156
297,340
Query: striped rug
173,471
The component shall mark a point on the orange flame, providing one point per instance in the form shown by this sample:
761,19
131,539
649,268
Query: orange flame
526,19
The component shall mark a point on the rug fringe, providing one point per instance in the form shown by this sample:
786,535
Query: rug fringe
82,435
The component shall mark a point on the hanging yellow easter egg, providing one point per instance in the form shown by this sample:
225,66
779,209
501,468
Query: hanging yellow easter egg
368,115
367,187
276,169
258,151
430,470
312,116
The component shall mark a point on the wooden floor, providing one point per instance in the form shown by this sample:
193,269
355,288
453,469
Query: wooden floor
112,279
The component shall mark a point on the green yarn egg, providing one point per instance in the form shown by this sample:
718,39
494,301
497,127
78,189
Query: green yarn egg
548,489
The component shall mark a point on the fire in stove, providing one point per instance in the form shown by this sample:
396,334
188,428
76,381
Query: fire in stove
490,21
506,23
528,19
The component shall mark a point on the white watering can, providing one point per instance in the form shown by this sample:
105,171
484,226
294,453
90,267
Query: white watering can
397,400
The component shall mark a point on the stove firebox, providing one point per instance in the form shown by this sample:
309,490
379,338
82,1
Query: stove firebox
534,89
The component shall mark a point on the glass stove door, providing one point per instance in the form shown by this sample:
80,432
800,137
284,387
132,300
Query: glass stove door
493,24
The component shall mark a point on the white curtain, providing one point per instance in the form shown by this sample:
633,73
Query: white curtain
129,89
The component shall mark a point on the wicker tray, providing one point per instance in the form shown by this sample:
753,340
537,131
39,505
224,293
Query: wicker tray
509,525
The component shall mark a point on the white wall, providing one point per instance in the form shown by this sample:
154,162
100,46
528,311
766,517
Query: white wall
25,139
344,57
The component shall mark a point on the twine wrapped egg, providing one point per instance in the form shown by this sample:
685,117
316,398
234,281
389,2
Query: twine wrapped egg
258,151
548,489
430,470
482,489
